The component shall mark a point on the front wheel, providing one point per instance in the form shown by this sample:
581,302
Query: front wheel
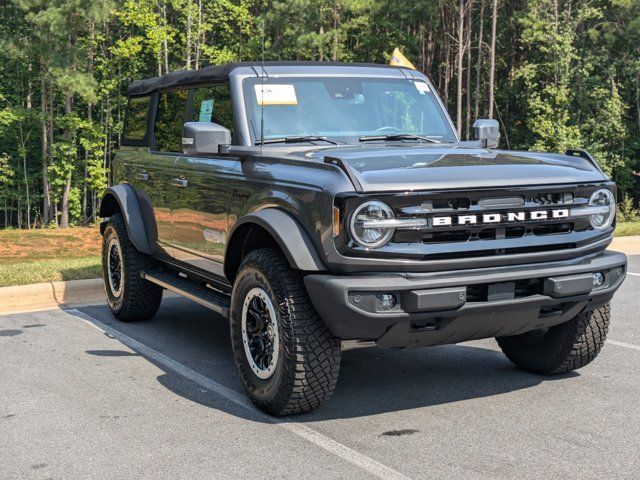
562,348
286,357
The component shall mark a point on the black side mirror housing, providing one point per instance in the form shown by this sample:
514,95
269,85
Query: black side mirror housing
487,131
204,138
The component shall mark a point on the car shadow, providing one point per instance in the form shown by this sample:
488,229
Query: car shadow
373,380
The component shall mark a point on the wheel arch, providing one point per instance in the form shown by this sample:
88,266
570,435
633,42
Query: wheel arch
137,215
271,227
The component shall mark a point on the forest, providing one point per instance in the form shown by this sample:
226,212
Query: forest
556,74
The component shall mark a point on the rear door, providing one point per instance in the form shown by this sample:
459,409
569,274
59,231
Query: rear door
202,209
160,174
148,173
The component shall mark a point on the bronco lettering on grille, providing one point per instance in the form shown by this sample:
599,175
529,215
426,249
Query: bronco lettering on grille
497,218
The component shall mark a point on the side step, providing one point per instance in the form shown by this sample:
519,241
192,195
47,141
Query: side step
216,301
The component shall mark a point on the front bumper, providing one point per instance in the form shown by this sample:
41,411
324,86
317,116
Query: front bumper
455,306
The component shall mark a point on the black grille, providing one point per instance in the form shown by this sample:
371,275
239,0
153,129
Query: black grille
465,240
488,233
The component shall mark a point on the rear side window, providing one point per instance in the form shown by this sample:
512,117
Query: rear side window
213,104
170,120
135,125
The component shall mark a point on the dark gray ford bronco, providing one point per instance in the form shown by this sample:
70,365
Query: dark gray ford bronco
314,202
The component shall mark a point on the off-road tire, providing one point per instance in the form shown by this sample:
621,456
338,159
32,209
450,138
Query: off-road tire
139,299
562,348
308,360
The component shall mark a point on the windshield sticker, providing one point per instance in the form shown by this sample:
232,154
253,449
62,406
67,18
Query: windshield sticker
422,87
206,111
276,95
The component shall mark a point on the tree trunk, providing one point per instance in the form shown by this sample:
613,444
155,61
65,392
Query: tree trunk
29,101
44,152
430,53
53,205
638,101
447,56
90,119
26,189
423,50
460,73
467,92
23,154
64,217
479,62
199,40
492,61
336,19
19,214
188,39
164,42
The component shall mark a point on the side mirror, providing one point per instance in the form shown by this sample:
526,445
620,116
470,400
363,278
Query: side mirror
201,138
487,130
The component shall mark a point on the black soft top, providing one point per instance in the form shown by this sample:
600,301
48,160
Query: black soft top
220,73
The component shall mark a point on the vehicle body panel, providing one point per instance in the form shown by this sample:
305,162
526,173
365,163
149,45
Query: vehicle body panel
301,193
203,212
150,175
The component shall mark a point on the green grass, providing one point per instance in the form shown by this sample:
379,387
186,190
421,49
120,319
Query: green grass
37,256
49,270
625,229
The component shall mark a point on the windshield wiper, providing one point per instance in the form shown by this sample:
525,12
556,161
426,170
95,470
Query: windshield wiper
398,136
296,139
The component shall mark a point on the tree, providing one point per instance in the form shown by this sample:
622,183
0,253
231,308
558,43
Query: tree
492,56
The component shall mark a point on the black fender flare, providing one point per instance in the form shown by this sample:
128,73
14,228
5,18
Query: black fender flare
293,240
139,220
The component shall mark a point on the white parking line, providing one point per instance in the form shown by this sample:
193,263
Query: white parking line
624,344
634,274
348,454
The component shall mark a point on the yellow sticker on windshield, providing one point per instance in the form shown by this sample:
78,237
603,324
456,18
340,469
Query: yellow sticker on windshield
276,94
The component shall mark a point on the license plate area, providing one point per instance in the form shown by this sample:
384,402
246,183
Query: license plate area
501,291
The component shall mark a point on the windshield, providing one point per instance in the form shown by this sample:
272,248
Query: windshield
344,109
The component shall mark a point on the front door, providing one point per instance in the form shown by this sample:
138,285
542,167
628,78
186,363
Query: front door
204,200
201,213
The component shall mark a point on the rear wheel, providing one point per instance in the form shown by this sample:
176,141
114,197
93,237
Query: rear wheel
287,358
129,296
562,348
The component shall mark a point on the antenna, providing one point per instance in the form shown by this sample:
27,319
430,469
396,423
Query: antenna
262,74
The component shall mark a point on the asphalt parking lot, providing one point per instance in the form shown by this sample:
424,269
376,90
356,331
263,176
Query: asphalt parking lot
83,396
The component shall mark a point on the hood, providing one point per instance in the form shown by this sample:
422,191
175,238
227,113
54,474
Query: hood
391,168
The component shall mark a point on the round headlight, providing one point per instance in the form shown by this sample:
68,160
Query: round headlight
603,199
362,219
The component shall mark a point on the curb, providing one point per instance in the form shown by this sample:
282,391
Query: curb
629,245
51,295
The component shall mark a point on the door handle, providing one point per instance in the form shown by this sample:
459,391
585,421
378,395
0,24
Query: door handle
179,182
142,176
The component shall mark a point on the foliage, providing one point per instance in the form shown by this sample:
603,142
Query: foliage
627,212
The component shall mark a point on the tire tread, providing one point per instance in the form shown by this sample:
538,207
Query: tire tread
312,355
141,298
572,345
